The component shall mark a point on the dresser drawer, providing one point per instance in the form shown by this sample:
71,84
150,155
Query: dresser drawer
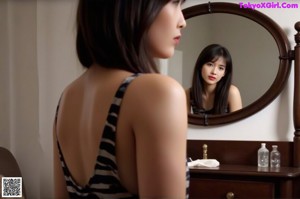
214,188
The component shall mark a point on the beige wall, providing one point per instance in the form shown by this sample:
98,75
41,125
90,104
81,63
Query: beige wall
37,60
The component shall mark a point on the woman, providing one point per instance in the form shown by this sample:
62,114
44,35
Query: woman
212,91
120,128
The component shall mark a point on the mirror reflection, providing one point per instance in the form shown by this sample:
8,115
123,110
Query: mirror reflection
254,58
212,91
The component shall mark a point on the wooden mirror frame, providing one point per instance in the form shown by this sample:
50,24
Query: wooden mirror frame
285,57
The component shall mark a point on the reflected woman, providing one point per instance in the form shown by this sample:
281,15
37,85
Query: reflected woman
212,91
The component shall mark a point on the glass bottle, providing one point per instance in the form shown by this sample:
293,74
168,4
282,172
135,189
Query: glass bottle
275,157
263,156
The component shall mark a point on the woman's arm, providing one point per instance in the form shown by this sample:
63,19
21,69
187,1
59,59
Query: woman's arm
234,99
159,120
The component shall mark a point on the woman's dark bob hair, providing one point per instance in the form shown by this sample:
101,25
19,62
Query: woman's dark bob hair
210,54
113,33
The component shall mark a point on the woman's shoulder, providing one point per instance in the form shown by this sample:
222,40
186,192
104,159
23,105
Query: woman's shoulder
155,89
72,89
157,83
156,77
234,99
233,90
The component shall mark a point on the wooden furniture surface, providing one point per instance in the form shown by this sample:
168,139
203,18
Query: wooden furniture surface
238,152
238,175
239,181
297,97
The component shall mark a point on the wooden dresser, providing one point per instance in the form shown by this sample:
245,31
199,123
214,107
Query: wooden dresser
238,175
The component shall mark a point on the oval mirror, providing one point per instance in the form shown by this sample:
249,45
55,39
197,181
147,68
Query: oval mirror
240,38
259,48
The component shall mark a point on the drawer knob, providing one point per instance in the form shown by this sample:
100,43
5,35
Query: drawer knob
230,195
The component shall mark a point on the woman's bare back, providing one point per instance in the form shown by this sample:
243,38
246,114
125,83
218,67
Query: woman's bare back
81,118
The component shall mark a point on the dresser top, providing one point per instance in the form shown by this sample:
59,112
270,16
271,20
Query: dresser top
245,170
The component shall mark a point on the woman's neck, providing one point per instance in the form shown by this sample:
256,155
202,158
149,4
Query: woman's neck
209,89
208,96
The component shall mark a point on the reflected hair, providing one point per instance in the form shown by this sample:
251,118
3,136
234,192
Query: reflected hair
211,53
113,33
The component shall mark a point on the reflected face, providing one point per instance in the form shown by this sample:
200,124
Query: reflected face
212,72
165,32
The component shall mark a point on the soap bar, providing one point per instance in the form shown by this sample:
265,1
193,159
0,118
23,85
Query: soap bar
204,163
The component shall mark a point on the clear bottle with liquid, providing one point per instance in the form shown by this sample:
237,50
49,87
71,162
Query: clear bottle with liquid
275,157
263,156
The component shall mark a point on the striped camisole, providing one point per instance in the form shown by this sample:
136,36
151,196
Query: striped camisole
105,183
